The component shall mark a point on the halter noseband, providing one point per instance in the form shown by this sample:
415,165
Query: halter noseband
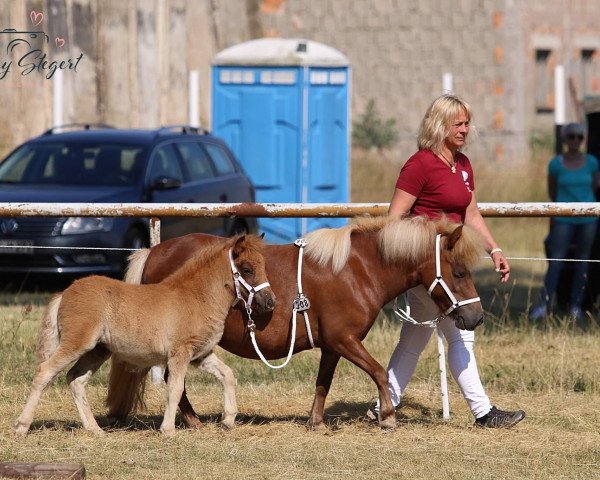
439,280
237,279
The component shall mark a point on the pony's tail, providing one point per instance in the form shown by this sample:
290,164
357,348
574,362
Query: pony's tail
126,387
48,338
135,266
126,384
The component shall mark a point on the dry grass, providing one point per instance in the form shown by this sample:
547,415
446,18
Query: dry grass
550,370
551,373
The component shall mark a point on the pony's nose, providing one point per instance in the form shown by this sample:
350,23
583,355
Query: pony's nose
268,301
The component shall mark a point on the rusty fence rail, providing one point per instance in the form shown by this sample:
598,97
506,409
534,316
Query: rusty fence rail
346,210
155,211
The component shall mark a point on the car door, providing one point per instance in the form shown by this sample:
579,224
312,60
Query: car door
201,186
165,181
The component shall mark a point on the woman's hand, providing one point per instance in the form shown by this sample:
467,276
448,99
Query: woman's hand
501,265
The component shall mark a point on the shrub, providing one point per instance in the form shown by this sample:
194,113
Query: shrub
371,131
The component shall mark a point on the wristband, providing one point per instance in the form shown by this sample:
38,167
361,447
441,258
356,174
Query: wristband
494,250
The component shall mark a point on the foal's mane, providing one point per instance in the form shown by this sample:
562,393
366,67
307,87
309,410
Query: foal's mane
205,255
408,239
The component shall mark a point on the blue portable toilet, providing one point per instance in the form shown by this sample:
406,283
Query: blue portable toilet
282,106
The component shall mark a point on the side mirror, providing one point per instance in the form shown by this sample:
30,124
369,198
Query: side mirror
165,183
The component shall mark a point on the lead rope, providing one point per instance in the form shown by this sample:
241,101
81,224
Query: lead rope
301,304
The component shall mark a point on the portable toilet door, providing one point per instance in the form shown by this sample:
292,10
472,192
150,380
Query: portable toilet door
282,106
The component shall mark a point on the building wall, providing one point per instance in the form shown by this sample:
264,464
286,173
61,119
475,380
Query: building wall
137,55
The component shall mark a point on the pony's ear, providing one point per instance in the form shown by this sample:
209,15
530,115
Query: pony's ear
454,236
238,246
262,235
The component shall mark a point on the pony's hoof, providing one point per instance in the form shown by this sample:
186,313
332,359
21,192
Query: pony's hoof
228,423
192,422
167,432
316,427
388,425
97,431
21,429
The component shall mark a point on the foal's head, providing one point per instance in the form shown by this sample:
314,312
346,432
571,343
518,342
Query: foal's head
449,279
248,260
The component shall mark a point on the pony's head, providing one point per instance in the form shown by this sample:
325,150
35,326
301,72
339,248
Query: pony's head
248,263
447,276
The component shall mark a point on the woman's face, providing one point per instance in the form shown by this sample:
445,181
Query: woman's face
574,140
459,129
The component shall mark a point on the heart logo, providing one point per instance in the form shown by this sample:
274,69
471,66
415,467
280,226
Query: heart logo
60,42
36,17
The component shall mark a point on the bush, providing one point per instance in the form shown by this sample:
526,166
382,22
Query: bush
371,131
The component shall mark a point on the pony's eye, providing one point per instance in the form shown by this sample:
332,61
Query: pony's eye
247,271
458,274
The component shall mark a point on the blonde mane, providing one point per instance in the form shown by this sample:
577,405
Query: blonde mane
408,239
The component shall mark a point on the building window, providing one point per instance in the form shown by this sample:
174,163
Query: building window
544,91
589,80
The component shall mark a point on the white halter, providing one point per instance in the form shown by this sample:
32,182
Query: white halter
237,279
301,304
405,315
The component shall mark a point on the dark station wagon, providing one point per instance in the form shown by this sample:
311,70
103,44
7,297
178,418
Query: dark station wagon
99,164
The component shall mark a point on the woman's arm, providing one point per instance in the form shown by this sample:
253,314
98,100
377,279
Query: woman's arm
401,203
474,220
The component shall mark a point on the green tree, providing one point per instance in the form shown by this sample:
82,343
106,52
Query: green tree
370,130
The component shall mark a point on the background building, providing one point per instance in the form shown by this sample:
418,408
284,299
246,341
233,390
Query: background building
137,55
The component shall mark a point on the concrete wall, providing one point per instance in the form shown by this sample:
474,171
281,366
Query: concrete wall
137,55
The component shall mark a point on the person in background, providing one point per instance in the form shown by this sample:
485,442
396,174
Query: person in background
572,177
438,180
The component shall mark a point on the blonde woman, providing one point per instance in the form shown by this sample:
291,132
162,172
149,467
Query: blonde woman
436,180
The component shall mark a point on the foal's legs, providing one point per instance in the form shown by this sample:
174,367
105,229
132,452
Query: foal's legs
354,350
78,377
329,361
177,365
45,373
214,365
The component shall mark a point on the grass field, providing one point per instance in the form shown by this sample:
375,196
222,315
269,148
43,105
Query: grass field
549,369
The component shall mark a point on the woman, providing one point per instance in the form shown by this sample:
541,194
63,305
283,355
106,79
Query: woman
572,177
437,180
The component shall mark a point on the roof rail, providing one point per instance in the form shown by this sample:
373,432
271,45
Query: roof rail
76,126
185,129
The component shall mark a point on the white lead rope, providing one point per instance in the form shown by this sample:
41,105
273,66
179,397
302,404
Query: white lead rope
301,304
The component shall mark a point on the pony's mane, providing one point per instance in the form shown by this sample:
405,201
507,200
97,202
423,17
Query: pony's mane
210,253
408,239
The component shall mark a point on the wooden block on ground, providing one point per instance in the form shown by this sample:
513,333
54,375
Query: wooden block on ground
42,470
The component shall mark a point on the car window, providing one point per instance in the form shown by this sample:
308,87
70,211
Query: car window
195,160
221,159
73,164
165,163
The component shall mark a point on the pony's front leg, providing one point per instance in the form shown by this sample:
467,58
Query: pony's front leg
354,350
329,361
177,366
214,365
78,377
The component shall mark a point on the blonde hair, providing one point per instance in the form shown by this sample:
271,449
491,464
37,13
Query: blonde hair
436,123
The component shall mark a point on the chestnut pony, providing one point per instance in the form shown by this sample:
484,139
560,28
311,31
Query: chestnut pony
348,275
174,322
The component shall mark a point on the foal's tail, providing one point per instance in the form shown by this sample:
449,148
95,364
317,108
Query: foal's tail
48,338
126,384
